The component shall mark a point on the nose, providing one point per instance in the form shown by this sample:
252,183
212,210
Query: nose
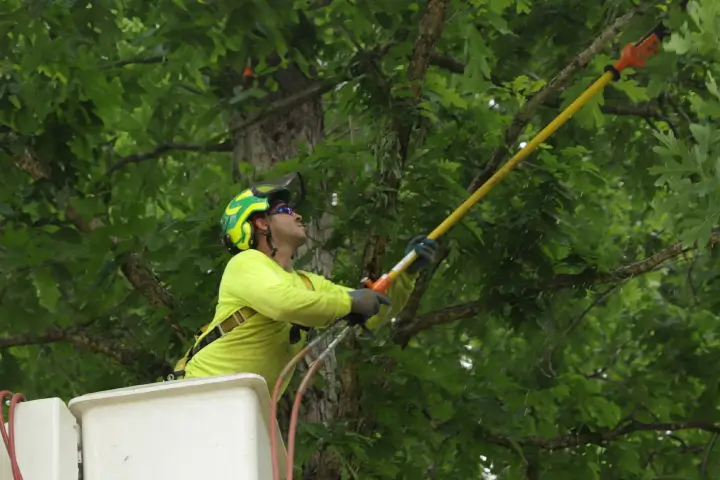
299,217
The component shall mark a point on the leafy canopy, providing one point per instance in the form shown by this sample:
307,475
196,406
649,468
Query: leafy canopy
571,329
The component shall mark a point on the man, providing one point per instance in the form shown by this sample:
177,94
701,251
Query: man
265,306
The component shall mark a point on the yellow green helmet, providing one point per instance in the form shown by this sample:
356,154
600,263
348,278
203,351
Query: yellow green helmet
237,228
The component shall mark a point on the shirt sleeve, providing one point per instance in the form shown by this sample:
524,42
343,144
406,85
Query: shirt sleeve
399,293
257,284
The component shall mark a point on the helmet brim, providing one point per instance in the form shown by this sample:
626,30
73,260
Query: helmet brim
289,188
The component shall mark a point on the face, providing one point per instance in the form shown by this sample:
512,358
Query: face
286,225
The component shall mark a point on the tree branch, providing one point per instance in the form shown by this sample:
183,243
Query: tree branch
646,110
602,437
638,268
708,451
138,274
274,108
523,116
138,61
532,468
277,107
527,111
316,89
408,314
286,103
448,63
600,299
166,148
430,30
404,333
76,336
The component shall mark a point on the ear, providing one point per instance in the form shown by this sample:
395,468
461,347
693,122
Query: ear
260,222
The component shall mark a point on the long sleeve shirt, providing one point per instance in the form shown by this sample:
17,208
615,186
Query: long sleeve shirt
280,298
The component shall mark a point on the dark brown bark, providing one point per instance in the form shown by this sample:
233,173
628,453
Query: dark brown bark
279,137
264,142
437,317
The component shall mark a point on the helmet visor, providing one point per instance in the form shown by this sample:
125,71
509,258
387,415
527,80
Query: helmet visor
289,188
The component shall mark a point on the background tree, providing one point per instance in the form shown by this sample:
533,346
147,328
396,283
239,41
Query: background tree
570,330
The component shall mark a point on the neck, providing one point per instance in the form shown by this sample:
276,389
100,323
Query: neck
283,256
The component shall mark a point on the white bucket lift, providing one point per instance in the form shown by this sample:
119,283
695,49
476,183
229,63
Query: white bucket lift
215,427
46,442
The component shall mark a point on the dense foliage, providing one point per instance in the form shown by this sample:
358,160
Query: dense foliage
570,330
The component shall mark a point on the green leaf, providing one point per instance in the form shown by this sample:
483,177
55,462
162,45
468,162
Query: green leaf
602,412
46,288
578,292
712,85
702,135
678,44
632,89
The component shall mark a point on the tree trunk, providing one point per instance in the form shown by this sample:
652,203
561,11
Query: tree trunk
278,138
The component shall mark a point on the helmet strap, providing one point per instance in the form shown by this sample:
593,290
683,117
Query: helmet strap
268,238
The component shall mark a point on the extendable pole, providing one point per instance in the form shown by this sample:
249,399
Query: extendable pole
633,55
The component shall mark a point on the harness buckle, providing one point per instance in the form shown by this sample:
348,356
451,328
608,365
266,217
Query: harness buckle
238,321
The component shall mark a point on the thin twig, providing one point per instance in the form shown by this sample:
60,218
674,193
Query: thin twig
601,298
161,150
137,61
706,459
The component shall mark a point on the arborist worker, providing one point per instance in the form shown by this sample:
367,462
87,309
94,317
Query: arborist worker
265,307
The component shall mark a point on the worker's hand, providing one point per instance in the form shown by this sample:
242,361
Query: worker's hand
425,249
367,302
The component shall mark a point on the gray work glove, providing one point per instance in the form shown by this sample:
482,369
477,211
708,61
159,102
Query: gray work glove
426,250
366,302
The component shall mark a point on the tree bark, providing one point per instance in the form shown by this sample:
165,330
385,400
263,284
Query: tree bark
322,405
279,138
263,145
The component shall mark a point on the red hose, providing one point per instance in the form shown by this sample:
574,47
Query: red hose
276,397
9,434
298,399
273,410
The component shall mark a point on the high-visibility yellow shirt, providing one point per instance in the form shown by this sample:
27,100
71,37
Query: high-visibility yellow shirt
280,298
